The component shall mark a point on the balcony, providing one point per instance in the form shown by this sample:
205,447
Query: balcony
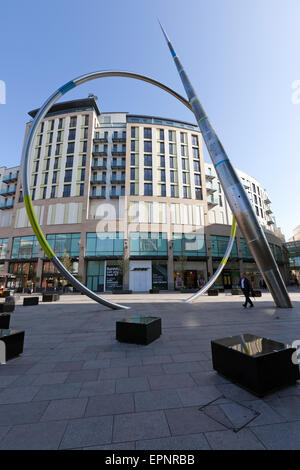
96,153
98,180
10,178
271,221
119,139
100,140
269,211
267,200
118,166
209,176
114,195
212,202
117,180
8,191
211,189
98,166
7,205
122,153
96,195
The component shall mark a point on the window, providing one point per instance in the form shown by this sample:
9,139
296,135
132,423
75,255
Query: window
132,159
54,177
71,147
132,173
183,150
73,121
147,146
172,176
147,174
172,191
147,133
183,163
148,189
51,138
81,189
69,161
72,134
84,146
59,136
52,195
38,153
195,140
85,133
197,180
196,166
35,180
162,147
44,193
253,187
60,123
133,145
147,160
189,244
55,163
83,160
184,178
198,193
47,164
51,125
132,189
86,120
255,199
172,149
25,247
256,209
62,243
33,194
49,151
163,190
42,127
67,190
57,149
171,136
104,244
162,161
195,152
40,140
172,162
185,192
151,244
37,164
162,175
46,178
161,134
182,137
82,176
133,132
220,201
68,176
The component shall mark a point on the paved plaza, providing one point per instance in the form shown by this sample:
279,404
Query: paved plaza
76,387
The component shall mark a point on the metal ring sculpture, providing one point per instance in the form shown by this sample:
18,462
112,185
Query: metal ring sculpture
26,172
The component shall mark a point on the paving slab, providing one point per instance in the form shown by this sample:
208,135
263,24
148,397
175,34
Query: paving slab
38,436
137,426
156,400
282,436
110,404
190,421
65,409
87,432
229,440
191,442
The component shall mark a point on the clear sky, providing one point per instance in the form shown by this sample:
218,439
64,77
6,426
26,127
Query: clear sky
242,57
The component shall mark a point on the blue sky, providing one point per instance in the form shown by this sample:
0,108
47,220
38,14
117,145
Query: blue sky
242,57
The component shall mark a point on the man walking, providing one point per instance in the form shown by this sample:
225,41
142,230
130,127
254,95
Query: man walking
246,287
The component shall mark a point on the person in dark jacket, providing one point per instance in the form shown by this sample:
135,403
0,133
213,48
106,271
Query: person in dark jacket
246,287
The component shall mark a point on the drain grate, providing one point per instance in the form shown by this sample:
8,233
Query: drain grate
231,414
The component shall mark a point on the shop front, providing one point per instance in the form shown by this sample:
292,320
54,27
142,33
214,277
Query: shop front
25,275
52,279
189,274
229,277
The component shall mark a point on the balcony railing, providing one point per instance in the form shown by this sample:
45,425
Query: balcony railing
118,166
100,140
212,201
211,189
7,205
267,201
271,221
8,191
97,153
116,195
121,153
117,180
269,210
96,195
209,176
99,166
98,180
10,178
119,139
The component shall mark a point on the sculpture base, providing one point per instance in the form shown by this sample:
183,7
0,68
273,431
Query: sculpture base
30,301
4,321
50,297
138,330
258,364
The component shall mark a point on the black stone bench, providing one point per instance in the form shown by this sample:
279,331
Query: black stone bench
213,292
4,321
30,301
11,344
8,306
138,330
258,364
50,297
154,290
187,290
256,293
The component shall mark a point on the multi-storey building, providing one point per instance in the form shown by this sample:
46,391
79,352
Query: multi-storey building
129,201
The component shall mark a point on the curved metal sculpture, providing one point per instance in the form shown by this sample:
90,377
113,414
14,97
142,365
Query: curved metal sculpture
236,194
27,151
221,266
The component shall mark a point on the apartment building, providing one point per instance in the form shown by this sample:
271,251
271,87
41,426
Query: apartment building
129,200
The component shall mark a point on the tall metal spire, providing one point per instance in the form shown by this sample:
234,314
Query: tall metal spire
235,193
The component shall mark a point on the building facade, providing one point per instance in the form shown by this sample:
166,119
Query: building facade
126,201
